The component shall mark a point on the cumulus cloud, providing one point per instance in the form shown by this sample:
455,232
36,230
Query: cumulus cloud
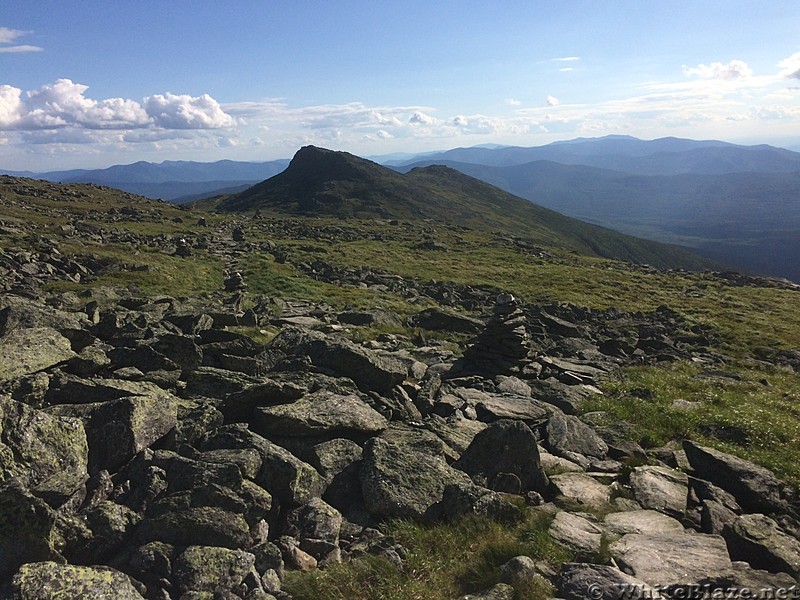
64,105
735,69
420,118
172,111
552,101
9,36
790,67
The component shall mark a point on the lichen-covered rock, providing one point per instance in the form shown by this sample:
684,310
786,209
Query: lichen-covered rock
397,482
49,454
27,529
320,414
203,526
50,580
209,569
120,429
24,351
291,481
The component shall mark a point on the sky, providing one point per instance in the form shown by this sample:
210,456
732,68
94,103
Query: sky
88,83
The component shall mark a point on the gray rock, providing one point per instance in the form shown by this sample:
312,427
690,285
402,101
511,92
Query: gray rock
566,433
671,558
576,533
714,516
519,568
641,521
579,581
200,525
25,351
660,488
581,488
756,489
291,481
491,407
320,414
27,529
757,540
120,429
439,320
52,580
396,482
506,446
208,569
47,453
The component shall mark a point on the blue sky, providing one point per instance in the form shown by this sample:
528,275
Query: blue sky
94,83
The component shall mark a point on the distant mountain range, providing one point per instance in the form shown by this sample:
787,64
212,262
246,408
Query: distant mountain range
175,180
732,203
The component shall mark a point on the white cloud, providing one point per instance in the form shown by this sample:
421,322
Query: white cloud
566,69
9,36
552,101
420,118
790,67
64,105
735,69
172,111
10,105
513,102
567,59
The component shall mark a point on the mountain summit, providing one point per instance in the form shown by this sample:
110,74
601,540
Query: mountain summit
338,184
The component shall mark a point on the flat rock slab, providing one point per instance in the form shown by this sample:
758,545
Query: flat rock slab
671,558
566,433
24,351
321,413
581,488
576,533
641,521
660,488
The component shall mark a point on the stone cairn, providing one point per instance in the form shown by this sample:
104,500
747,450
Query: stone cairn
504,346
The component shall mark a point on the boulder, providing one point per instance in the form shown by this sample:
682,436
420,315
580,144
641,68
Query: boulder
667,559
53,580
566,433
756,489
120,429
291,481
210,569
323,414
27,529
757,540
506,446
24,351
660,488
49,454
576,533
396,482
581,488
